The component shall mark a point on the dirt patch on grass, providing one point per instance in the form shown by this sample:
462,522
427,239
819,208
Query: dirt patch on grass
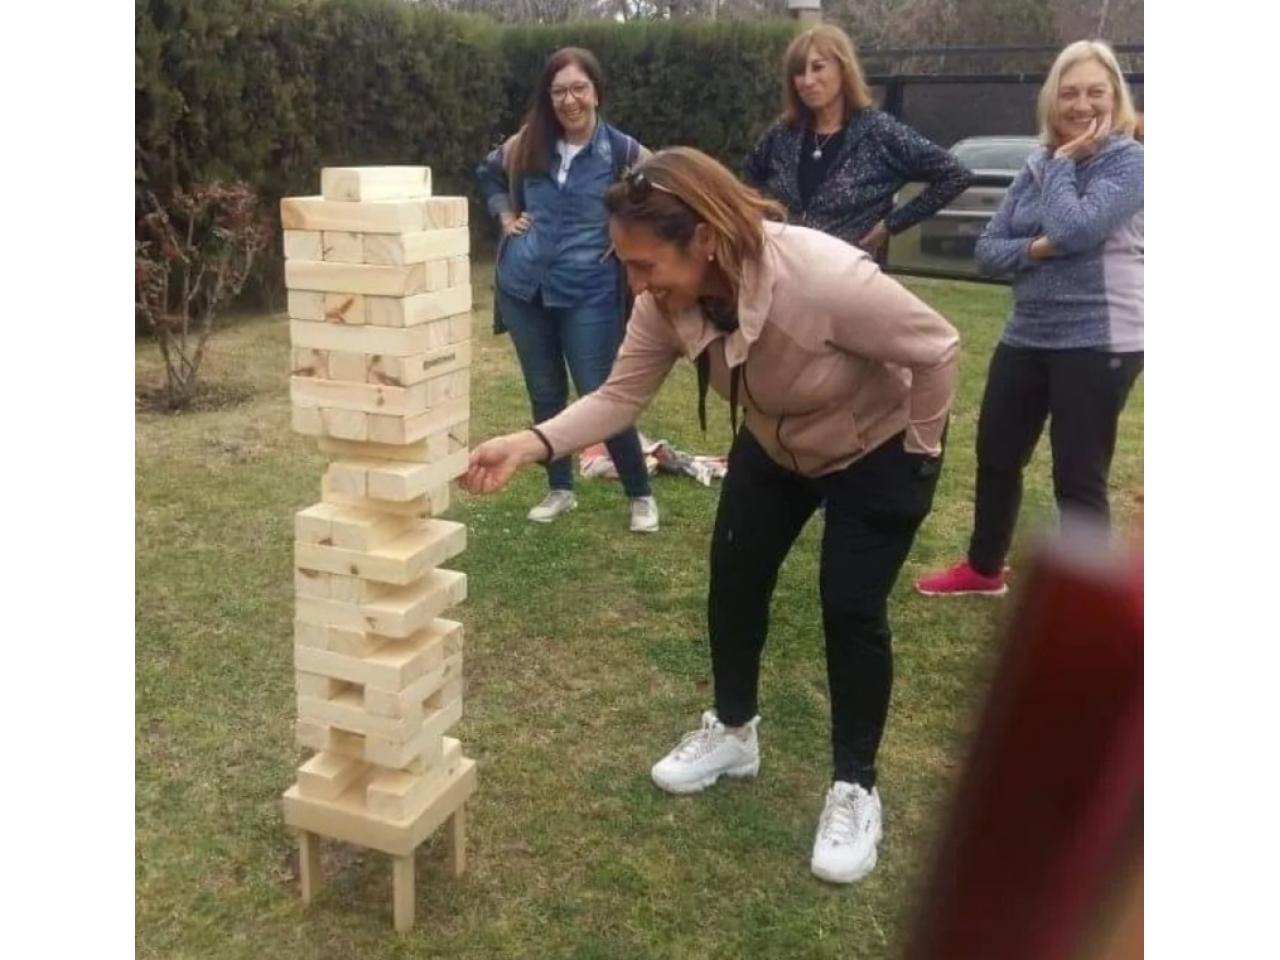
221,395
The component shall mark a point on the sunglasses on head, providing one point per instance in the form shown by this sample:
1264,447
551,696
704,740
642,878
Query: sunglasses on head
640,186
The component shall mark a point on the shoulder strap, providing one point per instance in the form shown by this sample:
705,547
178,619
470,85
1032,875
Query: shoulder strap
625,149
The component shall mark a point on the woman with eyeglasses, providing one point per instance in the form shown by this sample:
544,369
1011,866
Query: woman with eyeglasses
845,379
1070,233
557,288
834,161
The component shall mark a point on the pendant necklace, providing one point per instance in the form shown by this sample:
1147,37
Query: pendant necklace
817,147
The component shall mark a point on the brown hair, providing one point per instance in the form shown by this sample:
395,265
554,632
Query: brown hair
678,188
540,127
1123,119
831,43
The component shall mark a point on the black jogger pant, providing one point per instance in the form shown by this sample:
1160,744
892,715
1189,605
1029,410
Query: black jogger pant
1081,393
873,509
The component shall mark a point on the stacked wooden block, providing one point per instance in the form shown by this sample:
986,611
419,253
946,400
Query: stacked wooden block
379,307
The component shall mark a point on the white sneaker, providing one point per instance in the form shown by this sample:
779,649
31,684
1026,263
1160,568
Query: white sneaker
844,849
553,504
644,515
705,755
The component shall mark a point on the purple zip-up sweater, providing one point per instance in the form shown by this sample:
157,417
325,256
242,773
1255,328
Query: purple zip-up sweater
1090,294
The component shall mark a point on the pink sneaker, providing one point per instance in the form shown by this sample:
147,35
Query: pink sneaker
960,580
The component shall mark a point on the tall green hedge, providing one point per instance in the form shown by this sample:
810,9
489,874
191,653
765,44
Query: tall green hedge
270,91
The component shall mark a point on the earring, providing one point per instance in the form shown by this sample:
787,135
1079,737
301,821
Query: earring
710,257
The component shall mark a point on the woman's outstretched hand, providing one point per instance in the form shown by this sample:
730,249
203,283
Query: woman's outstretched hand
495,461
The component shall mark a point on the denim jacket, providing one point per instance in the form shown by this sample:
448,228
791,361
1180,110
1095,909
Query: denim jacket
565,251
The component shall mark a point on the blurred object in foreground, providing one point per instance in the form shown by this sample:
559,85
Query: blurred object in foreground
1041,856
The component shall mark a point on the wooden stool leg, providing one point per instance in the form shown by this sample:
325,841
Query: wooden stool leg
309,865
458,841
402,891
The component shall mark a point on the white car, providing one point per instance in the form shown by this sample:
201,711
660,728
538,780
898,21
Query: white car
994,162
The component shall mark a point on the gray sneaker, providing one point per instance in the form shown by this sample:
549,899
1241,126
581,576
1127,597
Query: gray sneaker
553,504
644,515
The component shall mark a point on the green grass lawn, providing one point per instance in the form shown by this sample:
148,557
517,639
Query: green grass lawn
586,658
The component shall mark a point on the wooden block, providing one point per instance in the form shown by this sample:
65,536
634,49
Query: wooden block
410,429
356,529
401,612
396,281
345,712
459,271
398,561
348,308
417,247
309,363
365,216
404,481
402,892
310,583
416,452
347,424
341,246
353,367
403,342
392,479
309,874
396,794
430,448
326,775
413,700
431,504
384,400
347,184
306,305
421,308
320,736
443,212
317,685
422,749
365,397
302,245
307,420
314,524
437,277
406,371
458,841
343,641
352,589
393,666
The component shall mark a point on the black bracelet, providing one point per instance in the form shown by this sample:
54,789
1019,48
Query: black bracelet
545,442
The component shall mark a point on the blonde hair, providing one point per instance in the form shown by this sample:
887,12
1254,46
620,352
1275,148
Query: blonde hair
678,188
1123,118
833,44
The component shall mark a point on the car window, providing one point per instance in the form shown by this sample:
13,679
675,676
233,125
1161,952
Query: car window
994,155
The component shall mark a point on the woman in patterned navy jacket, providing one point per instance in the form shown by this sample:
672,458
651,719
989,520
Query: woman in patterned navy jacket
834,161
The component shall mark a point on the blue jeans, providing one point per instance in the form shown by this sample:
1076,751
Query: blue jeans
586,338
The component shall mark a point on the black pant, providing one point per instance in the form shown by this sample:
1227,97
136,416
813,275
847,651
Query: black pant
1082,393
874,508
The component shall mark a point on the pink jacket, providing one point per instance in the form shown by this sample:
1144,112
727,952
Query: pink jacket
836,359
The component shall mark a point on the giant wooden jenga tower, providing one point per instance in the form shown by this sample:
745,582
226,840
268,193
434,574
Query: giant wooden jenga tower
379,307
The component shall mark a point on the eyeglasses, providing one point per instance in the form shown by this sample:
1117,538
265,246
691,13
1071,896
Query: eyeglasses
579,91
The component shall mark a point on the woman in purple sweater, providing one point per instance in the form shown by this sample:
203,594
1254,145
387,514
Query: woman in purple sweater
1070,233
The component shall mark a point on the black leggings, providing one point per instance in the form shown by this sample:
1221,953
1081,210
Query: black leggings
1081,393
874,507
